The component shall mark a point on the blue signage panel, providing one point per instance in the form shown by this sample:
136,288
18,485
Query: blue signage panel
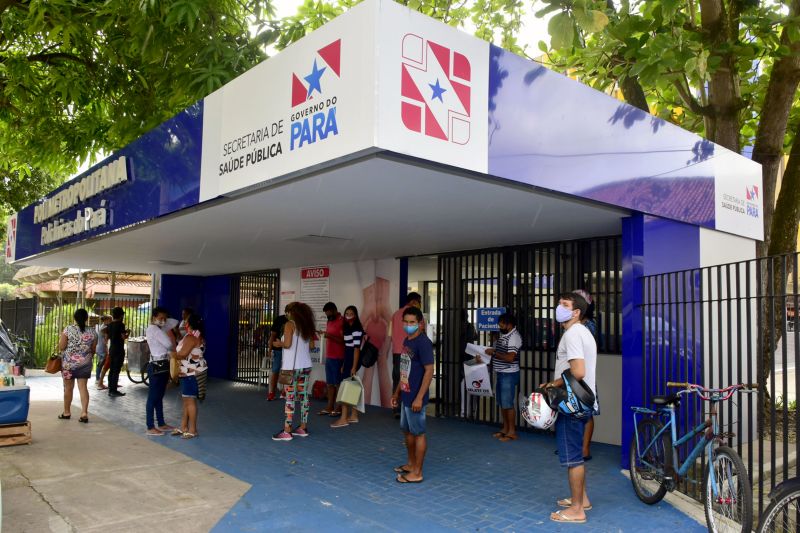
160,174
487,318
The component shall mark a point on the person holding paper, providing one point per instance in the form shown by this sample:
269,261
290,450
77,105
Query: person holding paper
506,367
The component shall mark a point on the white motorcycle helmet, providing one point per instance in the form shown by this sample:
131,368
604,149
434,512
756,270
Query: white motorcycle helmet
537,412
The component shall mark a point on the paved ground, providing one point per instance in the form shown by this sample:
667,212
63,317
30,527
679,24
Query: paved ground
341,480
98,477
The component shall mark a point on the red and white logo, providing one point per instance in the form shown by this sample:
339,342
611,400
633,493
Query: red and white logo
304,87
11,238
436,90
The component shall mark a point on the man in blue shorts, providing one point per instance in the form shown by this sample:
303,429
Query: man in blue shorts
411,394
577,352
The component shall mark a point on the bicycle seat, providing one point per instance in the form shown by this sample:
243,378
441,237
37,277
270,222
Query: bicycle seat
666,400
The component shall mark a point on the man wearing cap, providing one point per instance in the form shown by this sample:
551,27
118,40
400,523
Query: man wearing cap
577,352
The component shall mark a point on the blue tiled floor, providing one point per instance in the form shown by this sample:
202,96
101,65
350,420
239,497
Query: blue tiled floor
342,480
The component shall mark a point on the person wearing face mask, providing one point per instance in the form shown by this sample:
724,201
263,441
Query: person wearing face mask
334,355
161,346
577,352
411,394
506,369
353,335
399,336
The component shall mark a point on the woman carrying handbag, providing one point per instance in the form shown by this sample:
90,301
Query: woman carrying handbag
297,342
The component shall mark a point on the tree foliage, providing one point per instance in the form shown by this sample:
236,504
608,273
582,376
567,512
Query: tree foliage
80,77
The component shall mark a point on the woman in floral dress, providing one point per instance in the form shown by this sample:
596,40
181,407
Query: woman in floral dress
77,344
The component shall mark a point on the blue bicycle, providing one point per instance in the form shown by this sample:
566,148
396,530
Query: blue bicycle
727,494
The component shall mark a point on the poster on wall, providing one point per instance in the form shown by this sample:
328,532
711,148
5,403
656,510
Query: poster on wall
315,288
286,298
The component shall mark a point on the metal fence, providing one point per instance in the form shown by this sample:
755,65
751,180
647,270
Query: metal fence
254,306
54,314
726,324
527,280
19,316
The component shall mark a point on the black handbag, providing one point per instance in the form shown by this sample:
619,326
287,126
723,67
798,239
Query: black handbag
159,367
368,355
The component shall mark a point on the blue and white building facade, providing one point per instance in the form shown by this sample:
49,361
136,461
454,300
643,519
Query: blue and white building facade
384,135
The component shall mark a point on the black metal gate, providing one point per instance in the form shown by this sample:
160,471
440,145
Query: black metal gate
254,306
726,324
19,316
526,280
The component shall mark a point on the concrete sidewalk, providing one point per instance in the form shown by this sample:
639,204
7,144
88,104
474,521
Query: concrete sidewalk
100,477
342,480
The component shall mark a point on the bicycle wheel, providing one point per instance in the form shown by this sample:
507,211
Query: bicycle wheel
783,512
647,472
146,375
130,377
732,508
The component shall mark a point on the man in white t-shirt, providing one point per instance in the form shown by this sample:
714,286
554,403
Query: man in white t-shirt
577,352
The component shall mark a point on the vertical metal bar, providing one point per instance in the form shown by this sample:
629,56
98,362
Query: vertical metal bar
760,373
771,321
729,357
784,362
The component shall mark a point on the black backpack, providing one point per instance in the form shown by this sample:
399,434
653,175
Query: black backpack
369,354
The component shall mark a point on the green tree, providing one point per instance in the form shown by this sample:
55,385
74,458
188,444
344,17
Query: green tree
80,77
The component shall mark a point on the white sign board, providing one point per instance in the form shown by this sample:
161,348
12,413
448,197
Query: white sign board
433,89
315,288
739,204
310,104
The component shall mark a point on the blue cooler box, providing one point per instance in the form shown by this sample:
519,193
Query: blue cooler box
14,404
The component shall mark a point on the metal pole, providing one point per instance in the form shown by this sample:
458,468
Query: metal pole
113,289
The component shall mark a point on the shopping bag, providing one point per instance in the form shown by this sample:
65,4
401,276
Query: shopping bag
350,392
360,407
476,377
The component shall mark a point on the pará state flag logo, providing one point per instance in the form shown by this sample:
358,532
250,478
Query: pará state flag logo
435,90
326,63
752,193
11,238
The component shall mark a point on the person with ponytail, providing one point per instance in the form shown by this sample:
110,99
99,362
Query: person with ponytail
190,353
77,344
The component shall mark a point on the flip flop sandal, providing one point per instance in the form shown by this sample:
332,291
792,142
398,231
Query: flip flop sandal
176,432
567,502
62,416
352,421
498,435
324,412
343,425
334,414
507,438
154,434
84,419
186,435
403,479
565,519
401,470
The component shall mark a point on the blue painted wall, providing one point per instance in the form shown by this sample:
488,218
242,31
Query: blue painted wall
211,298
650,245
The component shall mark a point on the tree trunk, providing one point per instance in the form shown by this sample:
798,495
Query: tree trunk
768,149
722,31
787,211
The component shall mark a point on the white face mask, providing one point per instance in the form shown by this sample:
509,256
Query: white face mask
563,314
161,323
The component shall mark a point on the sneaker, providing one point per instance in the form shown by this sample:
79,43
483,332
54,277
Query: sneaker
270,396
299,432
115,393
282,435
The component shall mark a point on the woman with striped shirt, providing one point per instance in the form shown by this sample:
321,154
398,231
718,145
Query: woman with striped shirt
191,353
353,336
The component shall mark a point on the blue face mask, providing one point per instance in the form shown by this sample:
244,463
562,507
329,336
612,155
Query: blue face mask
410,330
563,314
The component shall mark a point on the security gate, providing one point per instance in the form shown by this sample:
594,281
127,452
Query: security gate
254,306
527,281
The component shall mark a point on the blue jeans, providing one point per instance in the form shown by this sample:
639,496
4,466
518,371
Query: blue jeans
101,359
569,439
506,384
155,397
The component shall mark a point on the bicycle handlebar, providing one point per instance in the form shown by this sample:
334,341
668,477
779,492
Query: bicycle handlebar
704,392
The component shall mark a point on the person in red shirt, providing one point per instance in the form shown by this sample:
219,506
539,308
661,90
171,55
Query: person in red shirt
334,355
398,338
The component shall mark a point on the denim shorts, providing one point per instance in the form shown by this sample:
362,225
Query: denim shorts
411,422
333,371
277,361
569,439
189,387
506,385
